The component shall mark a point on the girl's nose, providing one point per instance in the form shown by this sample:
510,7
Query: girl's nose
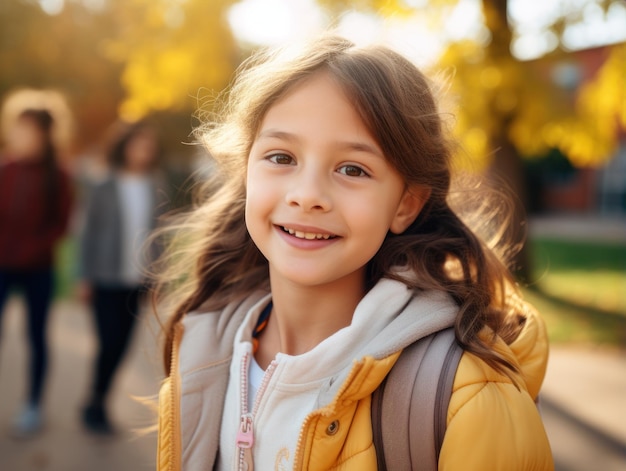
309,191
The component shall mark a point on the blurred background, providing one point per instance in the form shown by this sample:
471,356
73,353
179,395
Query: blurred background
537,91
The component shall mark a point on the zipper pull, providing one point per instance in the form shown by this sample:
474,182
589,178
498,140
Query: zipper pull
245,440
245,434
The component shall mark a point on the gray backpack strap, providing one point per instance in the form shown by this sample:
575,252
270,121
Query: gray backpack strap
410,407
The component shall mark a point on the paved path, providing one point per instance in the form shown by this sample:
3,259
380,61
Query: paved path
64,445
584,393
584,402
584,408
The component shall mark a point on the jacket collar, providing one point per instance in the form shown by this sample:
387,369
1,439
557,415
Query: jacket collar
389,318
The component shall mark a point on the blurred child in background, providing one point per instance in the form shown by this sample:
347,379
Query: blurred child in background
121,211
35,205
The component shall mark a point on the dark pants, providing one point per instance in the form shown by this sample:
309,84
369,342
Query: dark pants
37,288
116,310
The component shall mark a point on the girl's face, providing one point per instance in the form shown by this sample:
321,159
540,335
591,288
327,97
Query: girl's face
25,139
321,196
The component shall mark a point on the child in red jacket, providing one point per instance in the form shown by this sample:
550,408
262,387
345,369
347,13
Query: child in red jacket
35,204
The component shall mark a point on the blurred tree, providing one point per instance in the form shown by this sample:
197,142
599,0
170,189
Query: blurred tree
506,108
170,50
497,94
120,58
138,57
63,52
600,113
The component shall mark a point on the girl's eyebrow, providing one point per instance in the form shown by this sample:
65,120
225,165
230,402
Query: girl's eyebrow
360,147
357,146
284,135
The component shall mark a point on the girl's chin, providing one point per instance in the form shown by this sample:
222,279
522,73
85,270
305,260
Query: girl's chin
302,280
310,277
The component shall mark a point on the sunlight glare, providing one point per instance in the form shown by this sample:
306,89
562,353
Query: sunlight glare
597,29
52,7
271,22
413,38
360,28
531,23
465,21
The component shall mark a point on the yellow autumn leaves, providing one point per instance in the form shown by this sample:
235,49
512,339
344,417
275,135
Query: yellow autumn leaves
170,50
173,48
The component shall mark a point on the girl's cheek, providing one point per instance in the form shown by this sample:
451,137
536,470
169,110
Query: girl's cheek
247,173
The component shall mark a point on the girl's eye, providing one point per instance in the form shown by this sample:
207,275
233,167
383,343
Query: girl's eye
281,159
352,171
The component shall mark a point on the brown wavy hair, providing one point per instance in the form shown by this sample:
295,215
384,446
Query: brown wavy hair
211,259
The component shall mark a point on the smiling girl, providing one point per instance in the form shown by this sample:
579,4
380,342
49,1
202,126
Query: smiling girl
325,247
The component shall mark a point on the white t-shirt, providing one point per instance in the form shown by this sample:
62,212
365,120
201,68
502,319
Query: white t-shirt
255,378
135,193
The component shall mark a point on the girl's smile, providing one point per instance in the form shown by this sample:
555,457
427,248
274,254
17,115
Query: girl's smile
307,238
321,197
306,232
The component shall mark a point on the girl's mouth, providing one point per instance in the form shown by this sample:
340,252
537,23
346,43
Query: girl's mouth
307,235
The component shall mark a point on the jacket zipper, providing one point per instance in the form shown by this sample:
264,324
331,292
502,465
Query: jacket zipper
245,433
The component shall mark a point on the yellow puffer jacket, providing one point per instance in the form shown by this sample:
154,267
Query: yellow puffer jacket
492,425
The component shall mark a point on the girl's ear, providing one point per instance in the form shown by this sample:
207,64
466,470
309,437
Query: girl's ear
412,202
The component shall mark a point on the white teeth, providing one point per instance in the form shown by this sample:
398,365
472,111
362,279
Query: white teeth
307,235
